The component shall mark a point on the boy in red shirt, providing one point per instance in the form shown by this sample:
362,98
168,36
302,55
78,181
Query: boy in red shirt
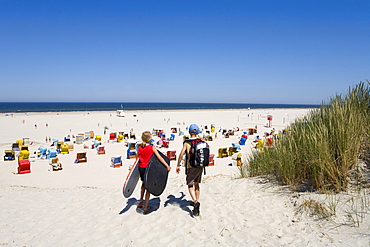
145,152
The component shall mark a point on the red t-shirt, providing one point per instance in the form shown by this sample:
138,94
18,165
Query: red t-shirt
144,154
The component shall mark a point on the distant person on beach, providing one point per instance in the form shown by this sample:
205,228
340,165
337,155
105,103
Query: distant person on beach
193,174
145,152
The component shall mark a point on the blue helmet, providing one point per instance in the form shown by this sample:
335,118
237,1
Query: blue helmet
194,129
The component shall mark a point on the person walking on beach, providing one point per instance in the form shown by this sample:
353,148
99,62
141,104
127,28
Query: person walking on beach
193,174
145,152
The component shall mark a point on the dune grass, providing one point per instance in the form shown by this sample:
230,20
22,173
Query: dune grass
321,148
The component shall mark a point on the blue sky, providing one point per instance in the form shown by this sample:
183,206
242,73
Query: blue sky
292,52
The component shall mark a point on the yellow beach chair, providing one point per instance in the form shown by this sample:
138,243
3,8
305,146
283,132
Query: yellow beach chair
222,153
9,155
232,150
64,149
24,155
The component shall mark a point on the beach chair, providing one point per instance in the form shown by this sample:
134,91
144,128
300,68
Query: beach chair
232,150
213,128
165,143
55,142
172,138
64,149
91,134
222,153
59,146
101,150
120,138
81,157
26,141
87,135
70,147
9,155
259,145
116,161
269,142
95,144
112,136
131,145
55,164
24,155
79,139
131,153
237,145
209,138
211,160
15,146
24,147
98,138
52,153
24,166
42,152
171,154
242,140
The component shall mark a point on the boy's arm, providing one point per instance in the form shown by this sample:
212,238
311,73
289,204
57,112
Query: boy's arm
161,159
180,158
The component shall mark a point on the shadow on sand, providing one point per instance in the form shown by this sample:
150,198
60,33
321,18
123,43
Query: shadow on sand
182,203
153,205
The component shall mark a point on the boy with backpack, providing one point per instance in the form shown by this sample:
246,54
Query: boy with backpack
197,157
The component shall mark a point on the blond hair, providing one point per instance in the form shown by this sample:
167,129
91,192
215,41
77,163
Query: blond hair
146,136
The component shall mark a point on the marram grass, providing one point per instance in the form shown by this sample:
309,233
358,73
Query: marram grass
321,148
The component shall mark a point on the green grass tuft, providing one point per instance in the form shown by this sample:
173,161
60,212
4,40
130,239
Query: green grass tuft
321,148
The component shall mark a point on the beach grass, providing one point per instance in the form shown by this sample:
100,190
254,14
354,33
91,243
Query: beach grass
319,150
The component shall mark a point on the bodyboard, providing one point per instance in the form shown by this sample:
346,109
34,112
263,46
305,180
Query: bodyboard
156,174
131,180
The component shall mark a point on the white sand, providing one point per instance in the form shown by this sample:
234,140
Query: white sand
83,205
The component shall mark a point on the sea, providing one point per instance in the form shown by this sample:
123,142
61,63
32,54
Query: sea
14,107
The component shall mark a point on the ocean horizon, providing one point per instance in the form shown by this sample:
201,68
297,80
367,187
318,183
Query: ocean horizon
14,107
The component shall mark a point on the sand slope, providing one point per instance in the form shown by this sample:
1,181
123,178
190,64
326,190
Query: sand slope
83,205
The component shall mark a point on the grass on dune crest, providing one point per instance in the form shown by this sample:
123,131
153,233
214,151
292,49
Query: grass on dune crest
320,149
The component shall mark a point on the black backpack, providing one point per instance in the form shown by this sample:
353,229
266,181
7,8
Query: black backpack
199,153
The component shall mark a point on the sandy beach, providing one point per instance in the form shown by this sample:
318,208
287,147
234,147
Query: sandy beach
83,205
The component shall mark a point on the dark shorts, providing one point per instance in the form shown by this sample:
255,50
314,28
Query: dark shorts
193,175
142,173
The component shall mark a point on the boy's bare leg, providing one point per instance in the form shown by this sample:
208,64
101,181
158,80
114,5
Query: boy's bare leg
140,205
197,192
194,192
147,196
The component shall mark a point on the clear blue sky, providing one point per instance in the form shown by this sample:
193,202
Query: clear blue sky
251,51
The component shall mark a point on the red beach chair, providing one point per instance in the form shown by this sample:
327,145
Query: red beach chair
171,154
24,166
101,150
